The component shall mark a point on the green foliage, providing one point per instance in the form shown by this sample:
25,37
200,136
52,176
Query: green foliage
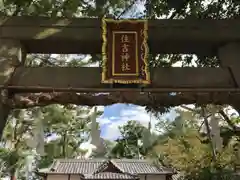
181,146
65,8
128,145
69,124
14,148
208,173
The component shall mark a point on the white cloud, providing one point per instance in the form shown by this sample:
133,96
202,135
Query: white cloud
110,124
104,120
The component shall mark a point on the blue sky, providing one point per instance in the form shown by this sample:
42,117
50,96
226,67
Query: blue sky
118,114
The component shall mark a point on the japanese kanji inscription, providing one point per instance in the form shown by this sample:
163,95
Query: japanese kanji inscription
125,52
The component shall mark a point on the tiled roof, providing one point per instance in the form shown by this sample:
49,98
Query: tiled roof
110,175
177,176
134,166
93,168
76,166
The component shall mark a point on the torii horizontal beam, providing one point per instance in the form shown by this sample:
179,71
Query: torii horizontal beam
75,36
88,79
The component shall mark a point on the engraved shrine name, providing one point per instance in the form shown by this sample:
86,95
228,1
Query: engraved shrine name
125,53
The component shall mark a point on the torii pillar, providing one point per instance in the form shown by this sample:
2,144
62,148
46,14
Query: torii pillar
229,56
11,55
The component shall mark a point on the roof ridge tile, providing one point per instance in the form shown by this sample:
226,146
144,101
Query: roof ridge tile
91,166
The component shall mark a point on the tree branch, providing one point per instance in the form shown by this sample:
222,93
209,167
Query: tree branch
126,9
209,133
45,60
188,108
226,118
17,11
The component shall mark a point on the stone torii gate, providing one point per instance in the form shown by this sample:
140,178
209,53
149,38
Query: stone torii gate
22,35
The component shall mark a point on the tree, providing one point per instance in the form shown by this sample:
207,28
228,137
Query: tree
130,145
181,146
14,148
68,124
72,8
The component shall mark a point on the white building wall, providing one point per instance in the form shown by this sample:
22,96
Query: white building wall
152,177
